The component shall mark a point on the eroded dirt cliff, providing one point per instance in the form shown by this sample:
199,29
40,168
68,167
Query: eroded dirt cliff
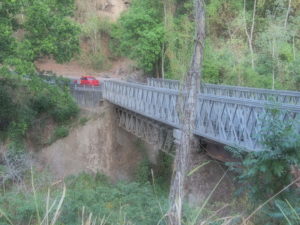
98,146
102,146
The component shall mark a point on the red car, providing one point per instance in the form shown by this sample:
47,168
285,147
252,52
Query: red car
88,81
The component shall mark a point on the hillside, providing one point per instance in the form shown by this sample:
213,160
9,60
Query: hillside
63,161
85,11
248,43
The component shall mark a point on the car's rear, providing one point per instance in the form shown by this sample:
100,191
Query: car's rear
87,81
93,81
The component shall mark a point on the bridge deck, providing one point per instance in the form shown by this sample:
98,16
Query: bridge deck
231,121
227,120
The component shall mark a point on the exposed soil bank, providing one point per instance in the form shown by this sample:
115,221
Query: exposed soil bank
102,146
98,146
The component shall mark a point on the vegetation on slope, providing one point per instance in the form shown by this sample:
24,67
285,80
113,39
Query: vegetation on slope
25,100
30,30
121,203
272,173
158,35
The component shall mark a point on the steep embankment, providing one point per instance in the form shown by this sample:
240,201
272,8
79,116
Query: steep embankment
100,145
97,146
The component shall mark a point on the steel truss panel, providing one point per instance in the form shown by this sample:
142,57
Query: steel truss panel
281,96
230,121
159,135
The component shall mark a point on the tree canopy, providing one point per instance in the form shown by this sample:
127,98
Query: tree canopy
31,29
249,43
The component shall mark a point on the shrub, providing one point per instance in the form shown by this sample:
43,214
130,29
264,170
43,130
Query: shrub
163,170
265,173
24,99
143,173
60,132
42,103
83,120
62,113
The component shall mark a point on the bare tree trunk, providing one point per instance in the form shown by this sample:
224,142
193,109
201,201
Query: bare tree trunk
250,35
188,113
294,50
163,61
273,64
287,14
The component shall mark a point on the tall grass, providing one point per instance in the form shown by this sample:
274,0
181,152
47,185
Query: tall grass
56,206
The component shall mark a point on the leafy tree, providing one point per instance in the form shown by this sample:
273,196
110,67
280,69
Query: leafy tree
50,32
139,35
6,41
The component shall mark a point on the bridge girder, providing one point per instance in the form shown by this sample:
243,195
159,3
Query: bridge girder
156,134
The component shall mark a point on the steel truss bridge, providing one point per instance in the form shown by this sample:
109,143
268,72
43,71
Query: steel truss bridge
228,115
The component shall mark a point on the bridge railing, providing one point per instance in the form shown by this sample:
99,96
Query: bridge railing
231,121
281,96
88,96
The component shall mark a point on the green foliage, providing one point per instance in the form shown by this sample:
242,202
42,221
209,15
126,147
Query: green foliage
15,113
50,32
263,174
155,32
143,172
83,121
61,132
6,41
285,211
24,100
65,109
7,111
269,171
58,133
132,202
163,171
179,42
8,8
139,34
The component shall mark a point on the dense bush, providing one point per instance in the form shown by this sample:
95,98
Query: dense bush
139,34
61,132
24,99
